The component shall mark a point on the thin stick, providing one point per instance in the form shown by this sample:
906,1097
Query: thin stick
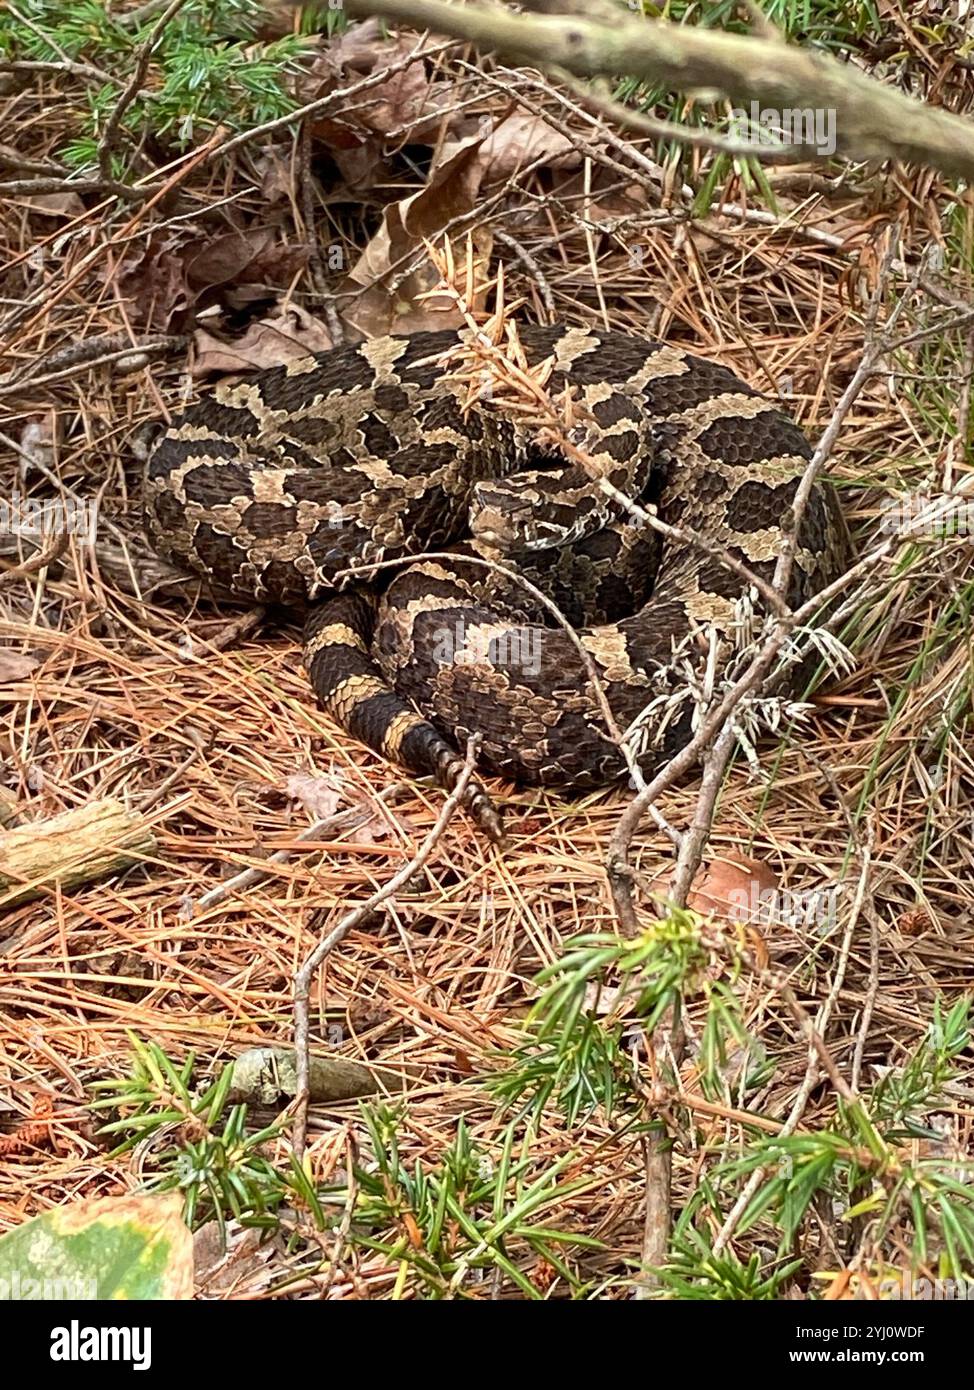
304,976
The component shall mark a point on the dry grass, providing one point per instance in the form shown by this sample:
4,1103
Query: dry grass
127,688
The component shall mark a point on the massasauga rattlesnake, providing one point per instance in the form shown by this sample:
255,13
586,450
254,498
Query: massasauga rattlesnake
273,487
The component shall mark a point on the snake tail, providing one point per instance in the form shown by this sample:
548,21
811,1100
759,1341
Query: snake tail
352,690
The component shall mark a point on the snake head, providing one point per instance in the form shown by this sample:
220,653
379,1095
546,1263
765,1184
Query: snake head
499,517
513,515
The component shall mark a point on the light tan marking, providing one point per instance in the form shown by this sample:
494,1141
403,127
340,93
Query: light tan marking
729,405
757,545
608,646
300,366
382,354
269,485
353,691
193,433
710,608
334,635
574,344
668,361
392,740
244,396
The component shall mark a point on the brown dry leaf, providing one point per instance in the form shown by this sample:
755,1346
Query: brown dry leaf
275,20
320,795
376,829
273,169
56,204
520,140
243,264
289,332
173,272
354,135
451,190
226,257
37,441
405,99
154,280
16,667
358,157
734,888
915,922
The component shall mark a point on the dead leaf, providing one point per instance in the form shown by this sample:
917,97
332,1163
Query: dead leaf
734,888
227,257
285,335
14,667
56,204
37,441
405,100
915,922
154,279
520,140
451,190
375,830
462,1062
274,172
359,157
173,272
320,795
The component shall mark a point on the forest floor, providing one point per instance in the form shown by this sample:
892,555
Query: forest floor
117,683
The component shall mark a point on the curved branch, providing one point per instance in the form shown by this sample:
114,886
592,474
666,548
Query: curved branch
872,121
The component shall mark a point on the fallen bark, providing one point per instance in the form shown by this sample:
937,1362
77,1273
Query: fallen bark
71,849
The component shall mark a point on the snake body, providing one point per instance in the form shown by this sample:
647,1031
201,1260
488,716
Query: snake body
275,487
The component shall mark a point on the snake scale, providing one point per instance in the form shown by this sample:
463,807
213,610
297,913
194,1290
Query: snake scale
274,487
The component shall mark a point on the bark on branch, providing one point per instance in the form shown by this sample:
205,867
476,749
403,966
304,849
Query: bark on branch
73,848
872,121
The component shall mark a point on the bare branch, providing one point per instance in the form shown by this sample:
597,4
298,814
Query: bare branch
873,121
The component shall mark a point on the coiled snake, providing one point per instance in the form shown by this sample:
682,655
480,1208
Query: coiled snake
273,487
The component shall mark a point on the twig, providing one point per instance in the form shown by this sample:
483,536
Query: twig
80,358
873,121
109,139
304,976
36,562
11,158
66,65
331,825
157,793
30,188
640,123
533,269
